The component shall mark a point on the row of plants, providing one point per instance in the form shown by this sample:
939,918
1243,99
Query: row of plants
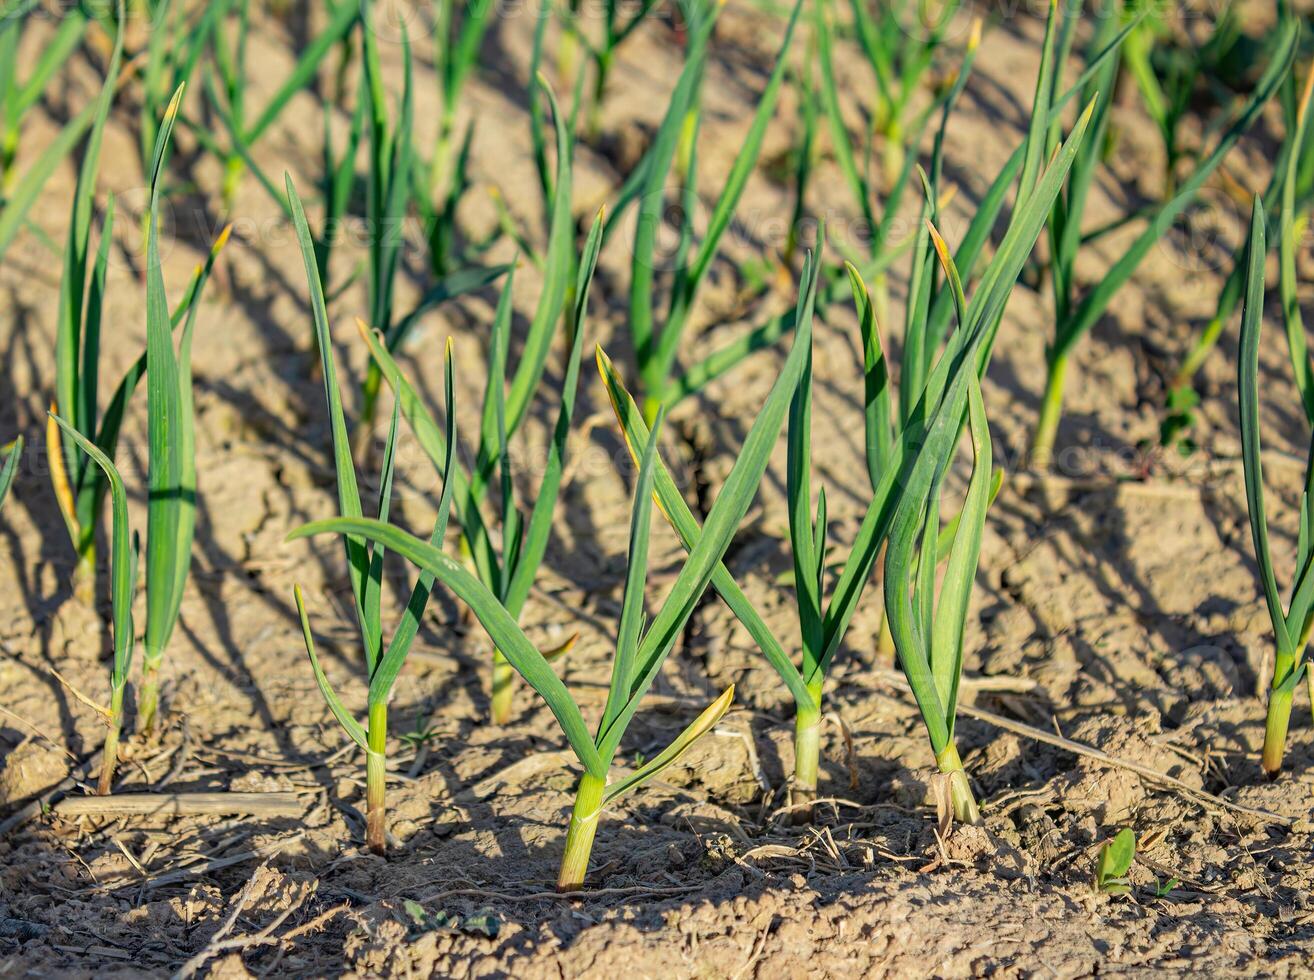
915,412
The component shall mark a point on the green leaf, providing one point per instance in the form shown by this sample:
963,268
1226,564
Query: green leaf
9,468
677,513
107,437
841,144
358,561
539,527
876,402
170,475
16,205
727,512
68,331
723,211
917,350
1288,245
556,276
806,549
505,632
122,565
672,754
373,598
344,15
89,373
1034,155
960,571
390,664
1252,319
1114,861
56,50
652,195
636,577
348,723
1092,307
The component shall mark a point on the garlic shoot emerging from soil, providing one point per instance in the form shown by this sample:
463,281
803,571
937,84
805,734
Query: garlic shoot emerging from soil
642,644
1291,626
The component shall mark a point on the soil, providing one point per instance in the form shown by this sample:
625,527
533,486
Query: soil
1117,599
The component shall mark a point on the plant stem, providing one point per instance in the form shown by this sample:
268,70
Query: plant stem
893,153
364,431
111,754
148,705
376,780
885,651
504,676
1198,353
1309,683
807,755
1051,409
684,150
233,169
567,54
583,827
880,297
441,152
1279,715
84,575
964,803
651,406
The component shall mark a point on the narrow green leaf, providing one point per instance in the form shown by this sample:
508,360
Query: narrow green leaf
358,561
960,571
349,724
344,14
68,332
167,544
539,527
89,371
876,401
492,435
1252,320
727,512
551,301
806,549
740,170
107,437
1035,154
122,566
672,754
636,577
651,198
1288,245
390,664
9,468
841,144
681,518
373,598
1094,304
505,632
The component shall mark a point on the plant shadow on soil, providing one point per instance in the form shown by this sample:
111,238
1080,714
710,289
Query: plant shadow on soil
704,876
